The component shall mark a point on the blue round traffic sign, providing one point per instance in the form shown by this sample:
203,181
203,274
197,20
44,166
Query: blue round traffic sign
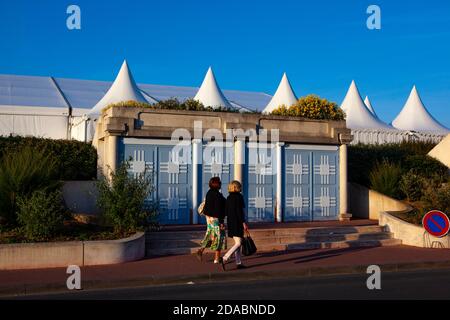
436,223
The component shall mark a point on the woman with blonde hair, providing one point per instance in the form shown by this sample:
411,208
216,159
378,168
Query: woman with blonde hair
235,213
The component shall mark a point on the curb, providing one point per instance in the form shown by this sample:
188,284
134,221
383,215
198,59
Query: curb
29,289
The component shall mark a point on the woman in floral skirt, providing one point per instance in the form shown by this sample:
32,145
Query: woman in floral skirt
214,210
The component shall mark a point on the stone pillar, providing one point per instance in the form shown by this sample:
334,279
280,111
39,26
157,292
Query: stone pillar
279,195
111,154
239,160
344,215
196,171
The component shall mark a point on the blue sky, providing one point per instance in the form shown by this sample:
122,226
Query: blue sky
322,45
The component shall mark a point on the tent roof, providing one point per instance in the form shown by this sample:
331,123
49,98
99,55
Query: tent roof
415,117
440,151
18,92
358,115
210,94
123,89
30,91
369,106
284,95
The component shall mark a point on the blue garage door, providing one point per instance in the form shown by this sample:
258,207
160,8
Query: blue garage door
325,185
260,182
171,176
310,184
218,161
298,192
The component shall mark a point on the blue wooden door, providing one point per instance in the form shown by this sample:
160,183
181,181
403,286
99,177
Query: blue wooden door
297,185
260,182
325,185
218,161
171,176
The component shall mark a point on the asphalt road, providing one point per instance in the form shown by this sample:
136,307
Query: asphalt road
433,284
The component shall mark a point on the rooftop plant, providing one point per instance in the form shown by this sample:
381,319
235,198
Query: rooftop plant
171,104
312,107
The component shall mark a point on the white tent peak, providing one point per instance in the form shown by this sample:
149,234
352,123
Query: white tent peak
358,115
284,95
415,117
124,88
369,106
210,94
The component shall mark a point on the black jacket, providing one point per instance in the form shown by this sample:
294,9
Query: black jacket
234,211
215,205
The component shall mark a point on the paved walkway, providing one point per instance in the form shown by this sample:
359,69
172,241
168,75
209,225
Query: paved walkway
182,269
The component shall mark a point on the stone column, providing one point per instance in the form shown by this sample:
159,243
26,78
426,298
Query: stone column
239,160
112,153
279,195
196,171
344,215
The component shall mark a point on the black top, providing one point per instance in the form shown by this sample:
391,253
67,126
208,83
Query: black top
215,205
234,210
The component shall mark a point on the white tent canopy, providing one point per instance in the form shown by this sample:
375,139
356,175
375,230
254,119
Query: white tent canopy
123,89
358,116
415,117
283,96
369,106
210,94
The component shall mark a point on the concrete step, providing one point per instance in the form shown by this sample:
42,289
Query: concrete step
264,233
288,247
180,243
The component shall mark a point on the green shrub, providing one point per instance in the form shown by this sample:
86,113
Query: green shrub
362,159
385,178
23,171
437,198
427,167
172,104
41,214
412,185
74,160
312,107
122,199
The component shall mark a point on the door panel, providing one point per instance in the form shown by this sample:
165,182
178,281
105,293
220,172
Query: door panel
260,183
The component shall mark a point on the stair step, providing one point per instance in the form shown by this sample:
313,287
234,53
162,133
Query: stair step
288,247
270,232
178,243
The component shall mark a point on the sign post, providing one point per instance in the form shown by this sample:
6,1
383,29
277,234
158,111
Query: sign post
436,223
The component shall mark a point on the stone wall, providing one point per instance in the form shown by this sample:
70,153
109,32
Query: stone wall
63,254
367,204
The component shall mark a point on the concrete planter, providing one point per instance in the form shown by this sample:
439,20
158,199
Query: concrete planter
63,254
410,234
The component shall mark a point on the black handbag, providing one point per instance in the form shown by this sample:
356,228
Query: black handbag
248,245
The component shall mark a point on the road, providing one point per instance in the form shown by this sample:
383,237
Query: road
433,284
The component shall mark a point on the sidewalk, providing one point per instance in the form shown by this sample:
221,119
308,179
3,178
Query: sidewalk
183,269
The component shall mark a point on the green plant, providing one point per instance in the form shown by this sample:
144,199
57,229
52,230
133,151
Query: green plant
362,159
172,104
74,160
437,198
412,185
427,167
312,107
23,171
122,199
385,178
41,214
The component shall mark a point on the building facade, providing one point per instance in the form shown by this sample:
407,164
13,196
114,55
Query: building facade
292,169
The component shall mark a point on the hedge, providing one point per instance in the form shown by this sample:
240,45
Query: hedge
75,160
411,156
